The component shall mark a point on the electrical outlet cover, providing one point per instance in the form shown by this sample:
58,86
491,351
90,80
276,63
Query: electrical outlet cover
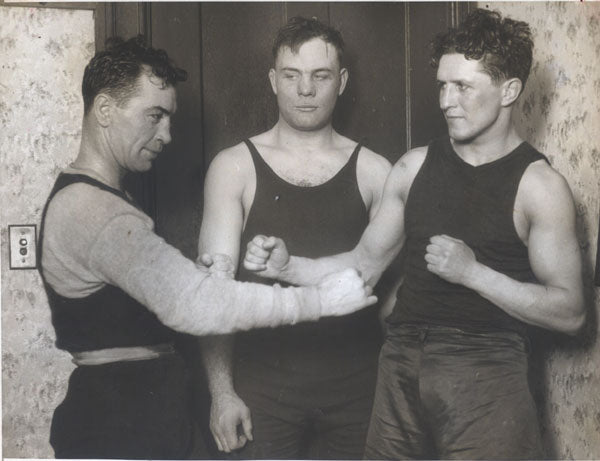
22,248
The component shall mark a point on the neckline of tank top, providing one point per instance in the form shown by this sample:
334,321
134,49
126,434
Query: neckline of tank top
451,153
316,186
95,182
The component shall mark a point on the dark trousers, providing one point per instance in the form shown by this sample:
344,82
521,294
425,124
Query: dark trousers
128,410
299,415
446,393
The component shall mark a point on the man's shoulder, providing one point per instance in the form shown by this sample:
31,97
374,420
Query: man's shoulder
82,200
82,208
372,170
369,160
542,177
412,160
233,153
234,159
543,189
82,197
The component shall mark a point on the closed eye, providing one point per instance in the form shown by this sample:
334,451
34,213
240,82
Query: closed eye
322,75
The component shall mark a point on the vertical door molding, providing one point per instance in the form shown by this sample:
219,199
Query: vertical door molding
424,120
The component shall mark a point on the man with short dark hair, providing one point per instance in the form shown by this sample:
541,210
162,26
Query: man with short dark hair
304,391
489,233
117,291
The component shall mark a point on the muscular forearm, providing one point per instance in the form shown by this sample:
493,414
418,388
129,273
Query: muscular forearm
217,356
306,271
550,307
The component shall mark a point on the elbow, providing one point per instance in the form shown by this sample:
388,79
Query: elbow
577,318
575,324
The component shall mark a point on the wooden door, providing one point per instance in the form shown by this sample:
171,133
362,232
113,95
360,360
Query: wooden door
390,101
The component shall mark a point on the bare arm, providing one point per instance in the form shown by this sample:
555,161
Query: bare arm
220,233
555,303
377,248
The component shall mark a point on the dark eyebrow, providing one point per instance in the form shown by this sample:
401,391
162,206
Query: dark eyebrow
161,109
320,69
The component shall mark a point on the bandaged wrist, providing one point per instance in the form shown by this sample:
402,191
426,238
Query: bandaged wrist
297,304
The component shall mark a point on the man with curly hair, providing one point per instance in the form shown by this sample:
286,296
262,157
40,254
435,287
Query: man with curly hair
118,292
489,233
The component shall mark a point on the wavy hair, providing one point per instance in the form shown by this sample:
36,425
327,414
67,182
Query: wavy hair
504,46
116,69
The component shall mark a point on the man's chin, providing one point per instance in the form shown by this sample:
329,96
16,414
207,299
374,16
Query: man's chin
460,138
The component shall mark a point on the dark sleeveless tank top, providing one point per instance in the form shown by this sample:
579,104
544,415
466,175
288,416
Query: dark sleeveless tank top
108,317
473,204
313,221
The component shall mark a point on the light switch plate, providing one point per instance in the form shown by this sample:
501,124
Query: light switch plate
22,248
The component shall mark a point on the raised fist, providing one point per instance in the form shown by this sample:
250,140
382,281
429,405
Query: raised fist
266,256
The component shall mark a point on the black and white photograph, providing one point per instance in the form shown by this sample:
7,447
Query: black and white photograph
300,230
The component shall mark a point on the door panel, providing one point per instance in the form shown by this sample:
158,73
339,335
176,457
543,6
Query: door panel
426,19
373,106
236,57
390,101
179,171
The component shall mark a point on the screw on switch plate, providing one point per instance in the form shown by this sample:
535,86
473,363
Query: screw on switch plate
22,246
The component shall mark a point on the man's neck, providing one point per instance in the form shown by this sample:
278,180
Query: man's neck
292,139
92,160
484,150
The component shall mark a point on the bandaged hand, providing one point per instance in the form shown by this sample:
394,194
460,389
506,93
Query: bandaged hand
218,265
450,258
343,293
266,256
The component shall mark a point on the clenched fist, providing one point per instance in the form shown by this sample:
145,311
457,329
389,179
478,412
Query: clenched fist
343,293
266,256
450,258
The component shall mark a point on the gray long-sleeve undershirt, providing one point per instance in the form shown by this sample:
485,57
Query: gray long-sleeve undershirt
93,237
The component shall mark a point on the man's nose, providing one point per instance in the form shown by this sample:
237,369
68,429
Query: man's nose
447,97
164,131
306,86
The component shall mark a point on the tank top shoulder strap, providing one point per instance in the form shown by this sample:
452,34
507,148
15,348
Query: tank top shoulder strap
353,160
259,162
66,179
532,154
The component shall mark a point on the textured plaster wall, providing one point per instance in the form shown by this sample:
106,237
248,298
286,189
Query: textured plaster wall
42,55
559,115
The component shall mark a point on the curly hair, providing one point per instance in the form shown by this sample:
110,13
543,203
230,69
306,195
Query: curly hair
300,30
503,45
116,69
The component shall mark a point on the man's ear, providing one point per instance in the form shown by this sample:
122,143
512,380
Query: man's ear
343,80
511,89
273,80
103,108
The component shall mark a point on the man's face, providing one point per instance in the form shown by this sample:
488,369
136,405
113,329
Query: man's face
141,126
469,99
307,84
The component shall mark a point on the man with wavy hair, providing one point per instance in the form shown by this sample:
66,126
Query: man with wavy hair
489,233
